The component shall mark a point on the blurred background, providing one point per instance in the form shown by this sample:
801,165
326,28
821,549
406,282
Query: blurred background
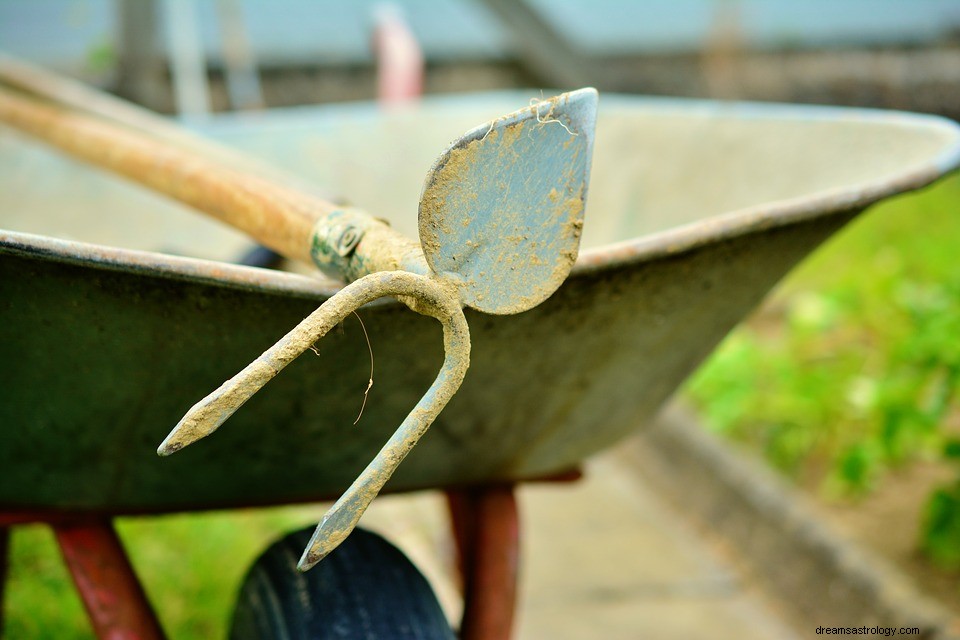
845,381
884,53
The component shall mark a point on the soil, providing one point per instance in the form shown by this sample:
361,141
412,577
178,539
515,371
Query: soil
888,522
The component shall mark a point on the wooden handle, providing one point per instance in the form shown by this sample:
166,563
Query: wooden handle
81,98
277,216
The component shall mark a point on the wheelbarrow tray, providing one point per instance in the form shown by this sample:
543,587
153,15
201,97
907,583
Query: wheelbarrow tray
696,209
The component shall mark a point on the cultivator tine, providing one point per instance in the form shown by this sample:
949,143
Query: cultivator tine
206,416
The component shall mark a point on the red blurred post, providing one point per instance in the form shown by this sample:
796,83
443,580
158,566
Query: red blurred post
114,599
487,531
399,58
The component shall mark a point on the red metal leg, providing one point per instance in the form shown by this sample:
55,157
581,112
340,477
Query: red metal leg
487,531
114,599
461,523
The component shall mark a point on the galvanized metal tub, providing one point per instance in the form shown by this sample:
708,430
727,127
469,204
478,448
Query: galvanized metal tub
696,210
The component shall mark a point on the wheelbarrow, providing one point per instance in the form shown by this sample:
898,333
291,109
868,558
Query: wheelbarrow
696,209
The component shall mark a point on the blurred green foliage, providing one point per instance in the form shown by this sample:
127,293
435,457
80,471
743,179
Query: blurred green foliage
941,527
191,566
101,57
852,368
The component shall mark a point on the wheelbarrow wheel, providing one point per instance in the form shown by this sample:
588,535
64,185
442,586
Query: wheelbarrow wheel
366,589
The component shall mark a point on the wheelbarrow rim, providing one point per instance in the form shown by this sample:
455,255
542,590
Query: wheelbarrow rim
770,215
674,241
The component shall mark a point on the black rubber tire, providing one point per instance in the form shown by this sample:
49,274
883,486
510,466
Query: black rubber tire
365,590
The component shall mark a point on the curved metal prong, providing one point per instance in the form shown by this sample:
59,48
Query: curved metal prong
206,416
343,516
428,297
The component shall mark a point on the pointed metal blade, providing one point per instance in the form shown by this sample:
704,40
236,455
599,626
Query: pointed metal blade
501,211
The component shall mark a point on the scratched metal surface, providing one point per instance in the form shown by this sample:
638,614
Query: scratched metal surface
695,211
509,237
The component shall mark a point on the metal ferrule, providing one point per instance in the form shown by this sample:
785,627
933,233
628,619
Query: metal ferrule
350,243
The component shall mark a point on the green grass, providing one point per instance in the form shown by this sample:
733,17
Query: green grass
191,567
852,367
